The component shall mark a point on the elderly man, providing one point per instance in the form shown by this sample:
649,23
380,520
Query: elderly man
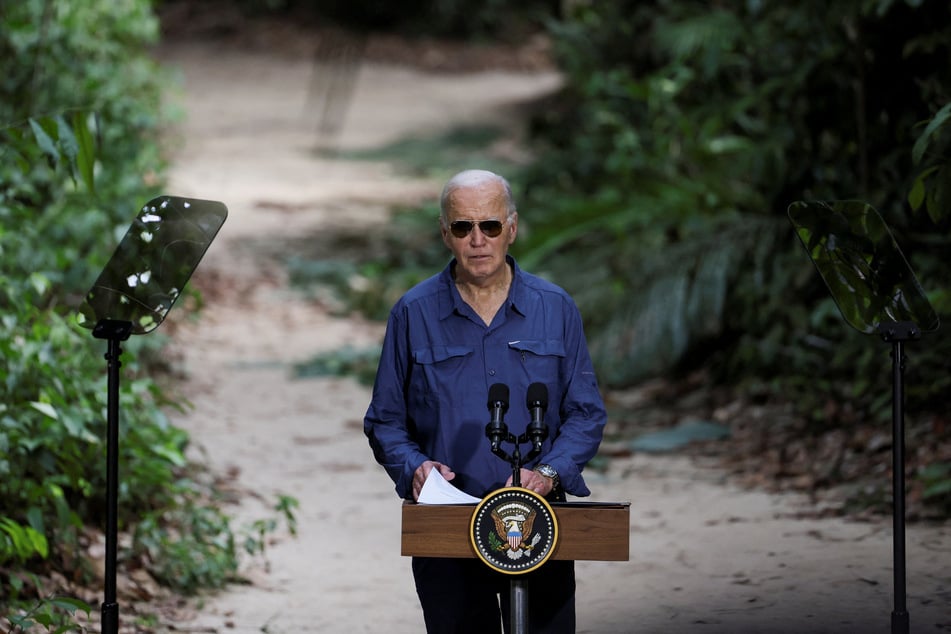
482,321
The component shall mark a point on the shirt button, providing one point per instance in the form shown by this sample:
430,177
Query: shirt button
491,372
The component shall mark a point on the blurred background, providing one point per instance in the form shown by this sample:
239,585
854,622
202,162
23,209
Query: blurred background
653,182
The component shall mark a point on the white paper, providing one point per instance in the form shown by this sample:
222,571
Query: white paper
437,490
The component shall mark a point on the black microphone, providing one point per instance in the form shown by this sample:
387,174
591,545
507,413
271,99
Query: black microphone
497,430
537,402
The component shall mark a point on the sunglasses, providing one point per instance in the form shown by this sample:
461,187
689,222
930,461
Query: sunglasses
489,228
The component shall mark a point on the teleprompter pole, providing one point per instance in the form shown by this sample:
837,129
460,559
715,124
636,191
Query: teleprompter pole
497,433
897,333
900,618
115,332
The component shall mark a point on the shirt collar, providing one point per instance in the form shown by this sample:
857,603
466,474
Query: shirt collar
450,300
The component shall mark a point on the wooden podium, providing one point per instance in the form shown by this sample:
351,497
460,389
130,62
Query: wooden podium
587,530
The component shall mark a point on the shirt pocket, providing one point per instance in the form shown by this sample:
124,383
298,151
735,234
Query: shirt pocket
438,354
542,359
440,368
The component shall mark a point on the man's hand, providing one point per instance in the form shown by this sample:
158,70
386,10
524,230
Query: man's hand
534,481
422,472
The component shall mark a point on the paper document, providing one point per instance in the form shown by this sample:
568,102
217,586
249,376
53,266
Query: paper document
437,490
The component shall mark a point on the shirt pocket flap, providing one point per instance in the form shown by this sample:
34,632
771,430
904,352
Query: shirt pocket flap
437,354
541,347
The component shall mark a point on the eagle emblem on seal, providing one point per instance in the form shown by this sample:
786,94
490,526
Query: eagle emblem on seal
513,530
513,525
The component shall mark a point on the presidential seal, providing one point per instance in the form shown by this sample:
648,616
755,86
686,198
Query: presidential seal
513,530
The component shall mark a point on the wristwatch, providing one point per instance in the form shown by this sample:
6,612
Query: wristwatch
549,472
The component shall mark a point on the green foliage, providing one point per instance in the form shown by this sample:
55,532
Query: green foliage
20,543
190,548
80,109
78,101
682,135
194,547
937,484
931,189
55,614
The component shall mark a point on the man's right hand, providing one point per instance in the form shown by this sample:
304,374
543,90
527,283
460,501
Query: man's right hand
419,477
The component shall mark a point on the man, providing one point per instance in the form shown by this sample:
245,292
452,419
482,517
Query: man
482,321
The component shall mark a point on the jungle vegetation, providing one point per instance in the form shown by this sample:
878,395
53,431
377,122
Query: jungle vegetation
657,196
82,110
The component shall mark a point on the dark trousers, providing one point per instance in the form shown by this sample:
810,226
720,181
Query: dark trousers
462,596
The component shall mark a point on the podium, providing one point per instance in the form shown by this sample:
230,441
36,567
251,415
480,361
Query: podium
515,530
597,531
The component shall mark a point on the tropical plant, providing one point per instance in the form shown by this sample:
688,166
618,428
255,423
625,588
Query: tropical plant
80,113
688,131
666,166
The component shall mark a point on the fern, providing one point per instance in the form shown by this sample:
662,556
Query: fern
646,307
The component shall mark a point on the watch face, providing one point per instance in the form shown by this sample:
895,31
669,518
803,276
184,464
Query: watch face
547,471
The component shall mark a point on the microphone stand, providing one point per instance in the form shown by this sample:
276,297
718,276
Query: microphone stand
497,432
515,459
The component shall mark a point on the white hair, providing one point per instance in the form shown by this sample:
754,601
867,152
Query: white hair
473,178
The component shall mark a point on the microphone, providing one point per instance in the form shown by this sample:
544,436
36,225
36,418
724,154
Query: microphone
497,430
537,402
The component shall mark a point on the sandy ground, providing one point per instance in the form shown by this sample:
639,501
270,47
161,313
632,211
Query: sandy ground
704,556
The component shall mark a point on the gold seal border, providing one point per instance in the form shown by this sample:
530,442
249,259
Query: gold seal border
489,499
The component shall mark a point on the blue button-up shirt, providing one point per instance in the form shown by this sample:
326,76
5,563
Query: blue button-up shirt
430,399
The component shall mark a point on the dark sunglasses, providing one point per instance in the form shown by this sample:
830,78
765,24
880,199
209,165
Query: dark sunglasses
489,228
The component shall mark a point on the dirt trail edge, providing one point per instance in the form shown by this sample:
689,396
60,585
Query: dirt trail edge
705,557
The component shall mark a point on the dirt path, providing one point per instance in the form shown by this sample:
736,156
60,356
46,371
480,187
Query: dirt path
705,557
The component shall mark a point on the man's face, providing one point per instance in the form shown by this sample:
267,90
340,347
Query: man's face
480,258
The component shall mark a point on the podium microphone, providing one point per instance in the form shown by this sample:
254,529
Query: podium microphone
497,430
537,402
